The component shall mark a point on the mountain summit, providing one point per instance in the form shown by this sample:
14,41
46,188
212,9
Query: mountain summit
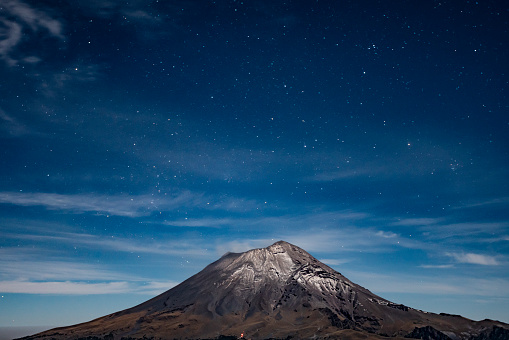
276,292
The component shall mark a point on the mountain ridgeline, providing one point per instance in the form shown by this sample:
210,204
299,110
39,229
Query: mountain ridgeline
278,292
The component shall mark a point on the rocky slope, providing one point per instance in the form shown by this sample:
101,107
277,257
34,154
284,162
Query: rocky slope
276,292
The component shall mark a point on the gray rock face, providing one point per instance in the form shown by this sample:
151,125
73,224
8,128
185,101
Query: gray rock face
265,280
273,292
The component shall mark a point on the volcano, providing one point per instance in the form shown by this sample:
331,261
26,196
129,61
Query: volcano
278,292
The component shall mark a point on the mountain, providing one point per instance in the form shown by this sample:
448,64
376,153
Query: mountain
278,292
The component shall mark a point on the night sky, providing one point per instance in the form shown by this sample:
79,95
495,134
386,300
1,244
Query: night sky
141,140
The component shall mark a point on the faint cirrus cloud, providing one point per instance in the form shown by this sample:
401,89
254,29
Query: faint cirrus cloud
18,21
84,287
472,258
436,266
410,222
119,205
11,126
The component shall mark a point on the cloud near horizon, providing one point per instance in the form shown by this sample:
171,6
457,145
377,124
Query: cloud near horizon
418,284
84,287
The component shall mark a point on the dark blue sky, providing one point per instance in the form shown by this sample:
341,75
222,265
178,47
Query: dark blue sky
141,140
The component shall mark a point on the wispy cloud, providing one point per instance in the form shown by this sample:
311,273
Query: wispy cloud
473,258
501,201
332,240
34,18
402,164
416,221
78,73
141,16
118,244
11,33
57,270
130,205
22,272
17,19
464,229
202,222
10,126
65,287
347,239
386,234
437,266
120,205
385,283
161,247
39,264
297,221
84,288
454,285
343,174
315,231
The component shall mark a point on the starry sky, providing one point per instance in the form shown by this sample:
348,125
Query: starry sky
141,140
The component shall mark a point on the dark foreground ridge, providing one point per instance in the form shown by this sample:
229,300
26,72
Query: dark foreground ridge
278,292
